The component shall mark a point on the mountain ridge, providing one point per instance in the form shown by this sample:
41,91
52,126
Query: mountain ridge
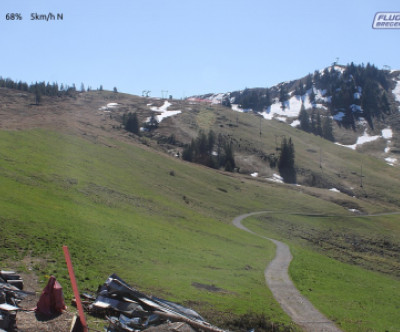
316,93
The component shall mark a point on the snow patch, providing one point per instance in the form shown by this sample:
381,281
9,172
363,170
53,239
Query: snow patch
281,118
339,116
254,175
361,140
164,112
396,91
217,99
334,190
293,105
295,123
391,161
387,133
108,106
276,178
236,108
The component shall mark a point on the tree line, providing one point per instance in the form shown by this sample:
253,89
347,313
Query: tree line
43,88
358,91
210,150
315,124
40,89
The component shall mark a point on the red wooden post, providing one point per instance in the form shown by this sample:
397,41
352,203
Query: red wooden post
75,289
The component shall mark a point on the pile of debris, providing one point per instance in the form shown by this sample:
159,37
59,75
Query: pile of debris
11,293
127,309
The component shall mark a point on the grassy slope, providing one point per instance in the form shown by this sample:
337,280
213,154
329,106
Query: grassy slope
335,264
120,210
341,166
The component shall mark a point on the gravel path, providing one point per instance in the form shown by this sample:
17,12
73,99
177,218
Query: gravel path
300,310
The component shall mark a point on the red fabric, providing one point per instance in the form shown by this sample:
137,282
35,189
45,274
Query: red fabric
52,299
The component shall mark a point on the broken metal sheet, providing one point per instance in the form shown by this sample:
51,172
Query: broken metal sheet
130,323
8,320
116,294
104,302
8,307
153,319
179,308
115,285
12,278
119,288
10,289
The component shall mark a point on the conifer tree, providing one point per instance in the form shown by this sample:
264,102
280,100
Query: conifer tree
311,97
38,97
308,82
286,161
210,142
313,124
384,104
38,94
229,158
304,119
327,129
187,153
318,128
283,96
268,100
132,123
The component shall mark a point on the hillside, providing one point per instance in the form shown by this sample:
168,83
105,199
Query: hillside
362,102
70,174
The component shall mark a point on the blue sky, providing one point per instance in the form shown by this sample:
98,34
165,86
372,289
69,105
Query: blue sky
190,47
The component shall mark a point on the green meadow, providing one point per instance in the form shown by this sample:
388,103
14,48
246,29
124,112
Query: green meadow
347,266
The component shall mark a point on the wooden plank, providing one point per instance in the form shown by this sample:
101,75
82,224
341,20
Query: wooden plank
75,288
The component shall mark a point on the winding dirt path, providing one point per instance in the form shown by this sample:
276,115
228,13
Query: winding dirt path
300,310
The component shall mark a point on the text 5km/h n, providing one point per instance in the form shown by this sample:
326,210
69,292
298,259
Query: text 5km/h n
47,17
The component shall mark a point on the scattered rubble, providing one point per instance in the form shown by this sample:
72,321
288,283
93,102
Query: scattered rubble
124,308
127,309
11,293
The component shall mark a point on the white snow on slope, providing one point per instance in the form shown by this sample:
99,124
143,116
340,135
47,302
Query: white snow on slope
361,140
339,116
396,91
108,106
162,108
276,178
217,99
386,134
164,112
292,106
236,108
295,123
391,161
